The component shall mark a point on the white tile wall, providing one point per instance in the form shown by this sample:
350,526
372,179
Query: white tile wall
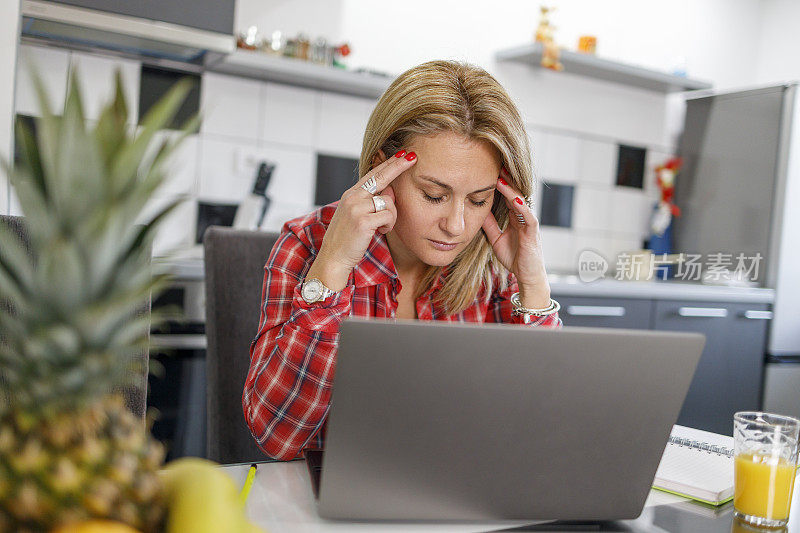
293,181
228,171
288,115
52,66
230,106
14,207
181,167
593,240
560,159
631,211
598,162
538,144
558,245
177,232
246,122
96,79
591,209
341,122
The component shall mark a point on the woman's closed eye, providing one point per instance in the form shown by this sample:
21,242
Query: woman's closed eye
439,199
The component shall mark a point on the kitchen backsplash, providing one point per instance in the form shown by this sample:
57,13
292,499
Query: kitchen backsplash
246,122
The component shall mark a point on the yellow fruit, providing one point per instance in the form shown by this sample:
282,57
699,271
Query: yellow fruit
201,498
252,528
95,526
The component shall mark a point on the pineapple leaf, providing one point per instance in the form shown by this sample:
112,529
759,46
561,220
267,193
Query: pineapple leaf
192,125
80,176
30,159
15,261
98,321
60,277
125,168
111,126
47,127
141,239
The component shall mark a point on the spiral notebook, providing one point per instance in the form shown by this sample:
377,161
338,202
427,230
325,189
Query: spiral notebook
697,464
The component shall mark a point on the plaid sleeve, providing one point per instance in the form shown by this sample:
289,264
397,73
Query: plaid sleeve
292,358
501,310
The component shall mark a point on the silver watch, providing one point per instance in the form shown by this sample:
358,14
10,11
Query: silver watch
314,291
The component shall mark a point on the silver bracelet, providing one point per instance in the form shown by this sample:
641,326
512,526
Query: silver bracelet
520,310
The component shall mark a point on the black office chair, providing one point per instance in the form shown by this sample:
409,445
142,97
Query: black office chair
234,274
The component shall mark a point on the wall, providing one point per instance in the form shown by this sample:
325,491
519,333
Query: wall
9,36
575,123
248,121
715,37
778,45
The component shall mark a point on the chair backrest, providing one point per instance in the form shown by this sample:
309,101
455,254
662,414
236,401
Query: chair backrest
135,394
234,275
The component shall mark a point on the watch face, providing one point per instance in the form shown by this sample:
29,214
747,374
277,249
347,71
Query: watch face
312,290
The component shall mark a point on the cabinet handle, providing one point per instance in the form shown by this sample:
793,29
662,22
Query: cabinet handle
595,310
704,312
757,315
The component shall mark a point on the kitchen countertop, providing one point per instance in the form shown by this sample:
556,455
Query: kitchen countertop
571,285
189,267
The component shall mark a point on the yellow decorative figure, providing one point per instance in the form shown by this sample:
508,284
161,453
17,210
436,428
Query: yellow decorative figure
544,35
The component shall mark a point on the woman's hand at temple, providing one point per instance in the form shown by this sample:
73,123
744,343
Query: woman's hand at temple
355,222
519,247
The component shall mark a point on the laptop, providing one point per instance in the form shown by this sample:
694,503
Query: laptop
483,422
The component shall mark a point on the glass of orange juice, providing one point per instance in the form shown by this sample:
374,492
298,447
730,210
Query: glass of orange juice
765,465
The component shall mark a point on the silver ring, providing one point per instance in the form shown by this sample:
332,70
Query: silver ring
371,186
529,202
379,202
520,218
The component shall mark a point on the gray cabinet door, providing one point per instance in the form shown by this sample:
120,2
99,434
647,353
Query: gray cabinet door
730,372
605,312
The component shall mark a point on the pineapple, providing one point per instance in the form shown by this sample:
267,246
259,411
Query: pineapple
69,448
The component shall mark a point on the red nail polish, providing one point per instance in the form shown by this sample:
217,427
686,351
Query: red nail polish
411,156
519,200
503,182
401,153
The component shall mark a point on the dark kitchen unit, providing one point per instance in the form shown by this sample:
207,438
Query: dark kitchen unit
739,192
177,381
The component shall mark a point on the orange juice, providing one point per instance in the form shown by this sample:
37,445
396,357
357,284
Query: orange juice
763,486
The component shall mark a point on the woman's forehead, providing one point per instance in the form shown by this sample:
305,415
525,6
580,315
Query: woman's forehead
455,161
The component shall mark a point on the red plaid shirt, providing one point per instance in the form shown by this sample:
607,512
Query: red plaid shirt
293,356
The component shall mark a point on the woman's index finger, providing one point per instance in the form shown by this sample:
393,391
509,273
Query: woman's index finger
388,170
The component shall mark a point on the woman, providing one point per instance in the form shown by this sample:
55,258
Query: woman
445,165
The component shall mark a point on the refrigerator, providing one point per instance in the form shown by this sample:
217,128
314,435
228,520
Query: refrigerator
739,192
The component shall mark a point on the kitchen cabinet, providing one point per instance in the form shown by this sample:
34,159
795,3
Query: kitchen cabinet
605,312
730,373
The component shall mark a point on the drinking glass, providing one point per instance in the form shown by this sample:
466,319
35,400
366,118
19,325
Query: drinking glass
765,465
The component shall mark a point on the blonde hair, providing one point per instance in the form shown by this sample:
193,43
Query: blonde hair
440,96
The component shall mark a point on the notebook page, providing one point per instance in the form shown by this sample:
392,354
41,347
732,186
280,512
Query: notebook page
715,439
695,469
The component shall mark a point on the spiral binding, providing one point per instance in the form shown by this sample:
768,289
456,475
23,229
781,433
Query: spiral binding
702,446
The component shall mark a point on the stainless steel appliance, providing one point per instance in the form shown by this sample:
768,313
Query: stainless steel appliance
164,32
740,193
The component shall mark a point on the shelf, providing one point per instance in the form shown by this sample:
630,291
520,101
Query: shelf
592,66
262,66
